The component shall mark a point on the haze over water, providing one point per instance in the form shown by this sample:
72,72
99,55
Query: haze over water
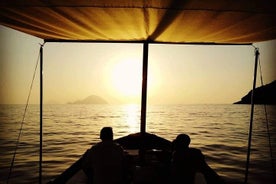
220,131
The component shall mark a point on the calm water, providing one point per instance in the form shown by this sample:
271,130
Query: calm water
220,131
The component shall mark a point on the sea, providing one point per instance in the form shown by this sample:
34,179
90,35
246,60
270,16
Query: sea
220,131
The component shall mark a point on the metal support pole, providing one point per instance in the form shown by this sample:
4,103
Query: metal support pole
251,115
41,114
144,88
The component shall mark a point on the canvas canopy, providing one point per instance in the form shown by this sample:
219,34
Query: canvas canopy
171,21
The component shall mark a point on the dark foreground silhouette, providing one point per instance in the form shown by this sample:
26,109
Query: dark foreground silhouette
186,162
105,162
149,160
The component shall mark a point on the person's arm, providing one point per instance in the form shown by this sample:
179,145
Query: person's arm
86,162
210,175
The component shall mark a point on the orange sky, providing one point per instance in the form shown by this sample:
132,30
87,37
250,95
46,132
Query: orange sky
178,74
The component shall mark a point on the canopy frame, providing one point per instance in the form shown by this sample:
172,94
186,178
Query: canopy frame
144,88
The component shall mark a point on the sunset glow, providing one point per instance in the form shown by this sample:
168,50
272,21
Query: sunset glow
177,74
126,77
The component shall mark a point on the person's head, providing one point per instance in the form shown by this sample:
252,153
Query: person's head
106,133
182,141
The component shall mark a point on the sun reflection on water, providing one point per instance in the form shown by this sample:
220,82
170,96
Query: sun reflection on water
132,117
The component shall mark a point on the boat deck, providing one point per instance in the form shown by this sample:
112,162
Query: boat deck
151,171
148,161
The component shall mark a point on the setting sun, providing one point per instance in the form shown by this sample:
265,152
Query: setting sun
126,77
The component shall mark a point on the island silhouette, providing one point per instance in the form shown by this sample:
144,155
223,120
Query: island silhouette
92,99
265,94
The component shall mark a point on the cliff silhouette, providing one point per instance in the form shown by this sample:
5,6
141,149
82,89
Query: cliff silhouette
262,95
92,99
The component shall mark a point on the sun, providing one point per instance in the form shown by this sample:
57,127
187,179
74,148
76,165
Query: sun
126,77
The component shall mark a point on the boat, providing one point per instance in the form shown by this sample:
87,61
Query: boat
208,22
152,164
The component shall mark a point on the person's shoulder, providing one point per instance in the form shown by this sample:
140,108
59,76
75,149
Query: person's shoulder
96,146
91,150
196,152
118,146
194,149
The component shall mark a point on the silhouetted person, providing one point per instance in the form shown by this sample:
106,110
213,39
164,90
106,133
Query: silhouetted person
186,162
105,161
